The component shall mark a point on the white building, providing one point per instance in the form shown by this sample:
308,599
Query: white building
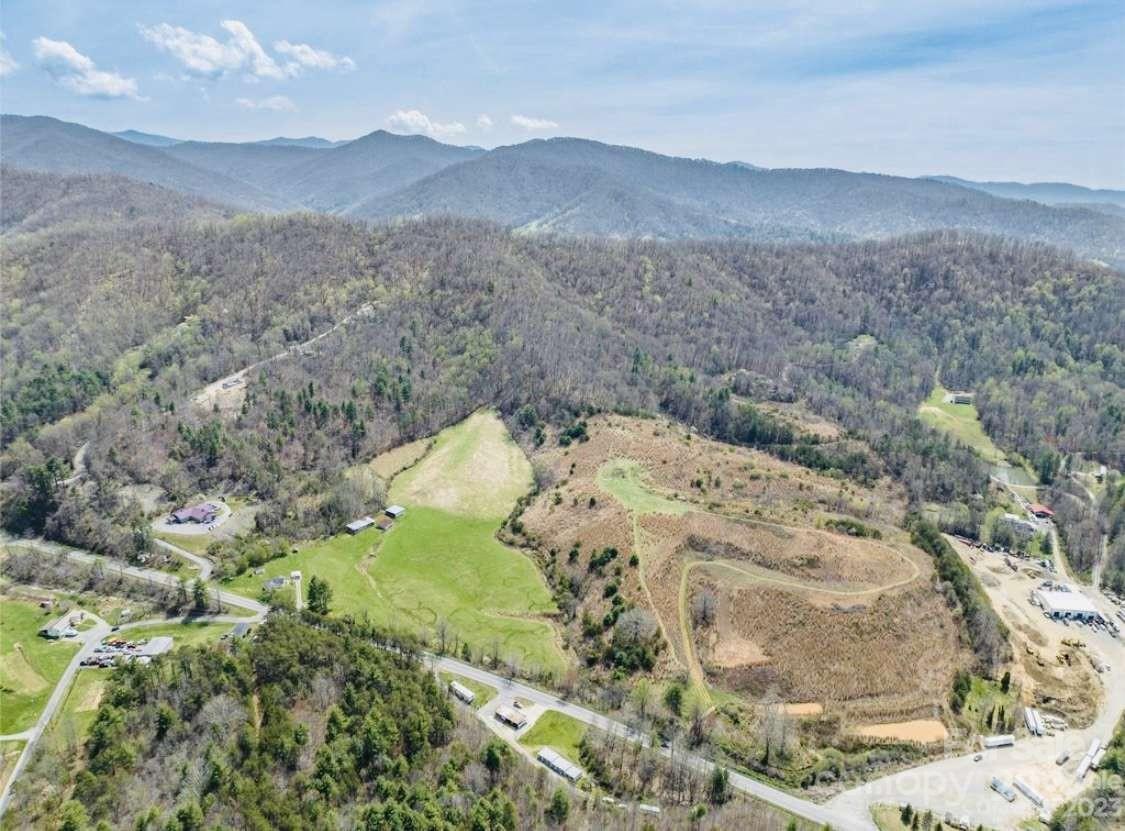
560,764
395,511
357,525
1068,605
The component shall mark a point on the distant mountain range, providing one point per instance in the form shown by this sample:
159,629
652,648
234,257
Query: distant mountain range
570,186
151,139
1049,193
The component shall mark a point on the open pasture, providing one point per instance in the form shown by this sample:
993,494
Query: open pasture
30,665
441,567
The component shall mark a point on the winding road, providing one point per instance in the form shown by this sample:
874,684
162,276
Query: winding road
89,641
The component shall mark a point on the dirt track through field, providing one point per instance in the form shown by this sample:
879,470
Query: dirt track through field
688,658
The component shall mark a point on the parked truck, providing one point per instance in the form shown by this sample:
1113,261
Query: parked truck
1001,740
1001,788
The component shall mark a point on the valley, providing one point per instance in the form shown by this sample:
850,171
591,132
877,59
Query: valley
392,483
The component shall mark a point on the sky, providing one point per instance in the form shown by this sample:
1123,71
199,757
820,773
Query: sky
1025,90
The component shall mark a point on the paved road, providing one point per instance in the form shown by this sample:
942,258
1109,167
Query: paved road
820,814
204,565
90,639
146,574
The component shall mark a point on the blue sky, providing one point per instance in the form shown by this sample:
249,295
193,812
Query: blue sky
986,89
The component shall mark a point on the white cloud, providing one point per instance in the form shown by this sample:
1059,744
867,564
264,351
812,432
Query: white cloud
8,64
529,123
302,56
79,74
204,55
416,121
484,121
276,103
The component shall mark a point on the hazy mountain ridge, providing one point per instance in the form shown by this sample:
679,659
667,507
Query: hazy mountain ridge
563,185
53,146
1049,193
151,139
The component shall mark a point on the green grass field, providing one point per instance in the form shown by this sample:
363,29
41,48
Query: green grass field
81,704
441,562
483,692
472,469
556,730
339,560
30,666
196,544
624,480
985,697
183,633
961,421
436,566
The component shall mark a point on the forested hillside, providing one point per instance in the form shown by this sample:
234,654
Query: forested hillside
121,325
565,185
302,728
33,201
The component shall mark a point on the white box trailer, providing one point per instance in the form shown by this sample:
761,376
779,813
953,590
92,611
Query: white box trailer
1034,721
1029,792
1096,762
462,692
1002,740
1083,768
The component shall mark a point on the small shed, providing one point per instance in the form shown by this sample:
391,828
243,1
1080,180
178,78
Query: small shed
274,583
395,511
1041,511
384,523
241,630
357,525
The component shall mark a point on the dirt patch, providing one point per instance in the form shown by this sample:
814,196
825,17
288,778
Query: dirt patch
924,731
805,710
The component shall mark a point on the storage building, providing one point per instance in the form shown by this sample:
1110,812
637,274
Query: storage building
513,718
394,511
560,764
357,525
